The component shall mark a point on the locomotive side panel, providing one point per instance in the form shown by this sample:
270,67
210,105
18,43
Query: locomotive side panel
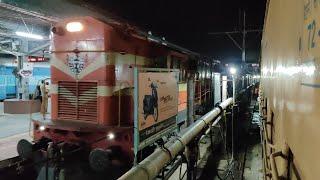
290,81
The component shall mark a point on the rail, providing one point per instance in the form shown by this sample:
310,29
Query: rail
151,166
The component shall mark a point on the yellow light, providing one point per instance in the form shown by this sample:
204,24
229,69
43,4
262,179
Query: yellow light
74,26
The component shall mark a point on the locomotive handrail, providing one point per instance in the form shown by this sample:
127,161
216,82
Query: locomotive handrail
265,142
270,144
265,161
150,167
274,170
268,170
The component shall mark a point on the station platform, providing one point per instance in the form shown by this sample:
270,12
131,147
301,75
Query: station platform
13,128
8,145
12,124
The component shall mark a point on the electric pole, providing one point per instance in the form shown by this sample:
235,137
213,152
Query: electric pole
243,32
244,38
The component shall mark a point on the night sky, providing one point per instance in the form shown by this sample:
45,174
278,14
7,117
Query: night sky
187,23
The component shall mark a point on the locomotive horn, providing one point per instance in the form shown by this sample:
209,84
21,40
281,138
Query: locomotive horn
26,148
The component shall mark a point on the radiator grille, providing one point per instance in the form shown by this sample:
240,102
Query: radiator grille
77,100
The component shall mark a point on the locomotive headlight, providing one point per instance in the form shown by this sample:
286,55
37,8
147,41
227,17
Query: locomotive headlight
74,27
42,128
111,136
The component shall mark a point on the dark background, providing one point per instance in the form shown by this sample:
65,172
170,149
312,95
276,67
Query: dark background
187,23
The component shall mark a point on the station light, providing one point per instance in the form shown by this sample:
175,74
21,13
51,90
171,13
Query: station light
29,35
74,27
233,70
111,136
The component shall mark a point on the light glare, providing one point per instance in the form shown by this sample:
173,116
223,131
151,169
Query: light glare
233,70
42,128
29,35
74,26
111,136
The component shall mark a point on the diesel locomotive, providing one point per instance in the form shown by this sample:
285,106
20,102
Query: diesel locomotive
92,99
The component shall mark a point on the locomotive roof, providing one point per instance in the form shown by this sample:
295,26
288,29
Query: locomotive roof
125,26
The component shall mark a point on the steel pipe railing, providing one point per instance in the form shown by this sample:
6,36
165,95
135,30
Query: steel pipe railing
151,166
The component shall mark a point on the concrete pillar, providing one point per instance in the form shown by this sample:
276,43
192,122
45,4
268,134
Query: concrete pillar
19,82
23,83
217,88
224,87
234,88
243,83
190,100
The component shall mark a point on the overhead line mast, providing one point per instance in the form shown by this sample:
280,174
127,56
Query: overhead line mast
243,32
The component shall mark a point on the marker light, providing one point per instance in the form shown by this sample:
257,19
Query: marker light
42,128
29,35
233,70
74,26
111,136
